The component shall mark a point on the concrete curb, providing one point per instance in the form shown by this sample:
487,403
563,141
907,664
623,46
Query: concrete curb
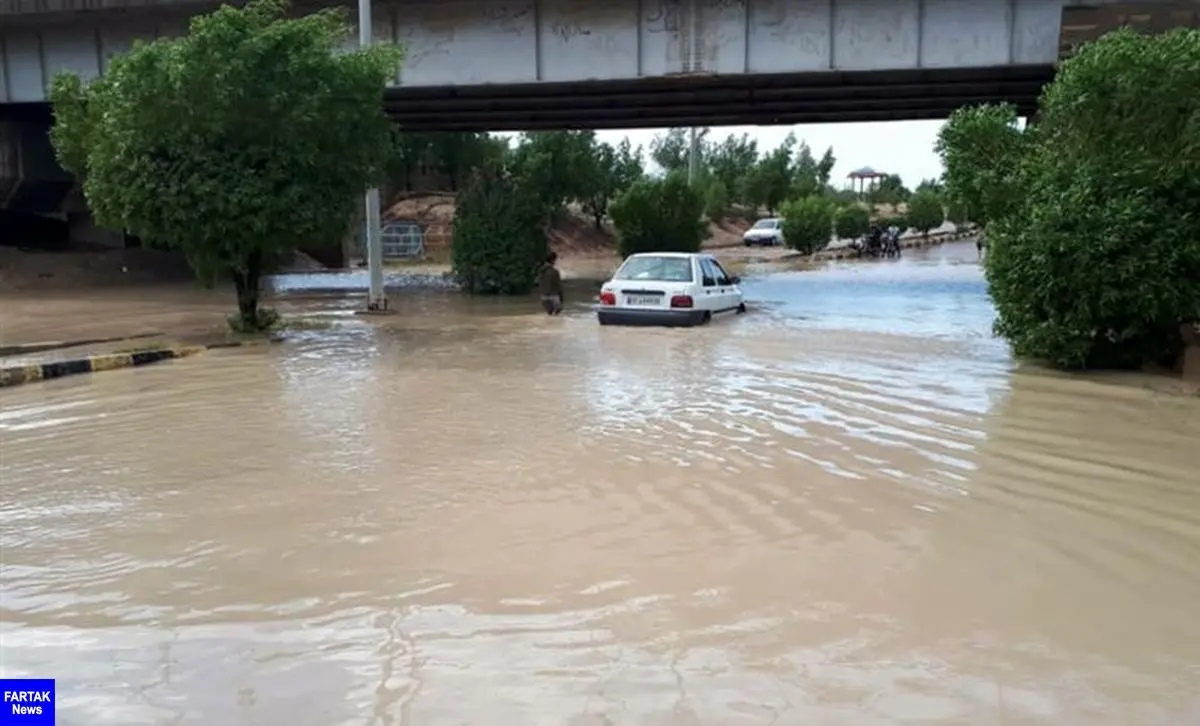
17,375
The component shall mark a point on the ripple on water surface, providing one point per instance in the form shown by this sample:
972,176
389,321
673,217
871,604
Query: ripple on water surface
843,508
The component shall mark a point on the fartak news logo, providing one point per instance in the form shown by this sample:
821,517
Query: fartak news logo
26,702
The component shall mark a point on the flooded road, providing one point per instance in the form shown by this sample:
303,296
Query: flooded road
846,507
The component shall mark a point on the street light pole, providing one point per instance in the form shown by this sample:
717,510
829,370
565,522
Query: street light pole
693,162
376,297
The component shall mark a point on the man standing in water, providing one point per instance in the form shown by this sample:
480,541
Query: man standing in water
549,283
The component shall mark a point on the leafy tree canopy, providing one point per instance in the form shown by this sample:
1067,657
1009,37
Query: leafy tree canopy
499,237
233,143
716,201
981,149
731,162
670,150
1097,262
808,223
852,221
659,215
771,180
611,171
890,190
557,166
925,211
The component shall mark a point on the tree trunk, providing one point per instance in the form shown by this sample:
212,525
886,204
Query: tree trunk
246,284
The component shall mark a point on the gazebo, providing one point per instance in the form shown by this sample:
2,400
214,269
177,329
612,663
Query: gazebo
865,179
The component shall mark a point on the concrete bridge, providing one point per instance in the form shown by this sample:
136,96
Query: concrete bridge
508,64
533,64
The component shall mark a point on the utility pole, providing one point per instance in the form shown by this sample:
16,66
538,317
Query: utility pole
691,65
693,161
376,297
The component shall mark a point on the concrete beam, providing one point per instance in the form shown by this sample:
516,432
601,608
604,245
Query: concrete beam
716,101
483,42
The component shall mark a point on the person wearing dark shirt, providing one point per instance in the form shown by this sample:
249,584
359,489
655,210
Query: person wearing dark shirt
549,283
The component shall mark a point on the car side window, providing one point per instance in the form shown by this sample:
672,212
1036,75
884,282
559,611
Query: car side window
719,273
707,275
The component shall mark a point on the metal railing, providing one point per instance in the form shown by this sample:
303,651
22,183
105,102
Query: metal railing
402,240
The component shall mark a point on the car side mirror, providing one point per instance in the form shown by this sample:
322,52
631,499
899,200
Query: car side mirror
735,280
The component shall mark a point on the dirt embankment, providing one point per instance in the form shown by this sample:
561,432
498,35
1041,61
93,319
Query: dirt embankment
573,236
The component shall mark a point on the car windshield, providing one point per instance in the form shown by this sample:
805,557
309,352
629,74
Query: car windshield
764,224
664,269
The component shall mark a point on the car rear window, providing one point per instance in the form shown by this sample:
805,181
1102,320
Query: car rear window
766,224
663,269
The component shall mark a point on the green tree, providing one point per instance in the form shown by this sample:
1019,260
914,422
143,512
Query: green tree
956,212
731,162
233,143
825,167
852,222
899,221
1097,265
929,185
557,166
499,238
981,149
925,211
459,154
454,155
659,215
670,150
891,190
808,223
716,201
410,154
806,173
771,180
613,170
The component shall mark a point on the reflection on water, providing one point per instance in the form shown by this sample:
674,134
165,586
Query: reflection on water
845,508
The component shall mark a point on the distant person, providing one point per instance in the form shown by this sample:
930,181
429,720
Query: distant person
549,283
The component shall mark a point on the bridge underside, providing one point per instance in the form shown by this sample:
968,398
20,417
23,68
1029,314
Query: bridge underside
725,100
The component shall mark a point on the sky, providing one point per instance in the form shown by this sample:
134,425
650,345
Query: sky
895,147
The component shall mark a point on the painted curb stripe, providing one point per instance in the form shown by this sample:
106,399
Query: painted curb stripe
17,375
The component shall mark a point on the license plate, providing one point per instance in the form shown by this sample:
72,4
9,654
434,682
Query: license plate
642,300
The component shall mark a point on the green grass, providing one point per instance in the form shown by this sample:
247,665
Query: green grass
143,347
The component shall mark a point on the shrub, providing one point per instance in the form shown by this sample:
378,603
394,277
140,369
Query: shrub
1099,263
896,220
808,223
925,211
852,222
499,241
658,215
716,201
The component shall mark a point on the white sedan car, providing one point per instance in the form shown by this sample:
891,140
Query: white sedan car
669,288
765,232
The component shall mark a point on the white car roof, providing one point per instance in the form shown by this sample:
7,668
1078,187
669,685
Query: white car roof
685,255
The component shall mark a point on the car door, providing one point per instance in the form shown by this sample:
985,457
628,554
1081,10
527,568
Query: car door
727,292
710,296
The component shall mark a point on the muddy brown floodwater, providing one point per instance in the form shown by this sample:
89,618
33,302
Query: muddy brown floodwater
847,507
